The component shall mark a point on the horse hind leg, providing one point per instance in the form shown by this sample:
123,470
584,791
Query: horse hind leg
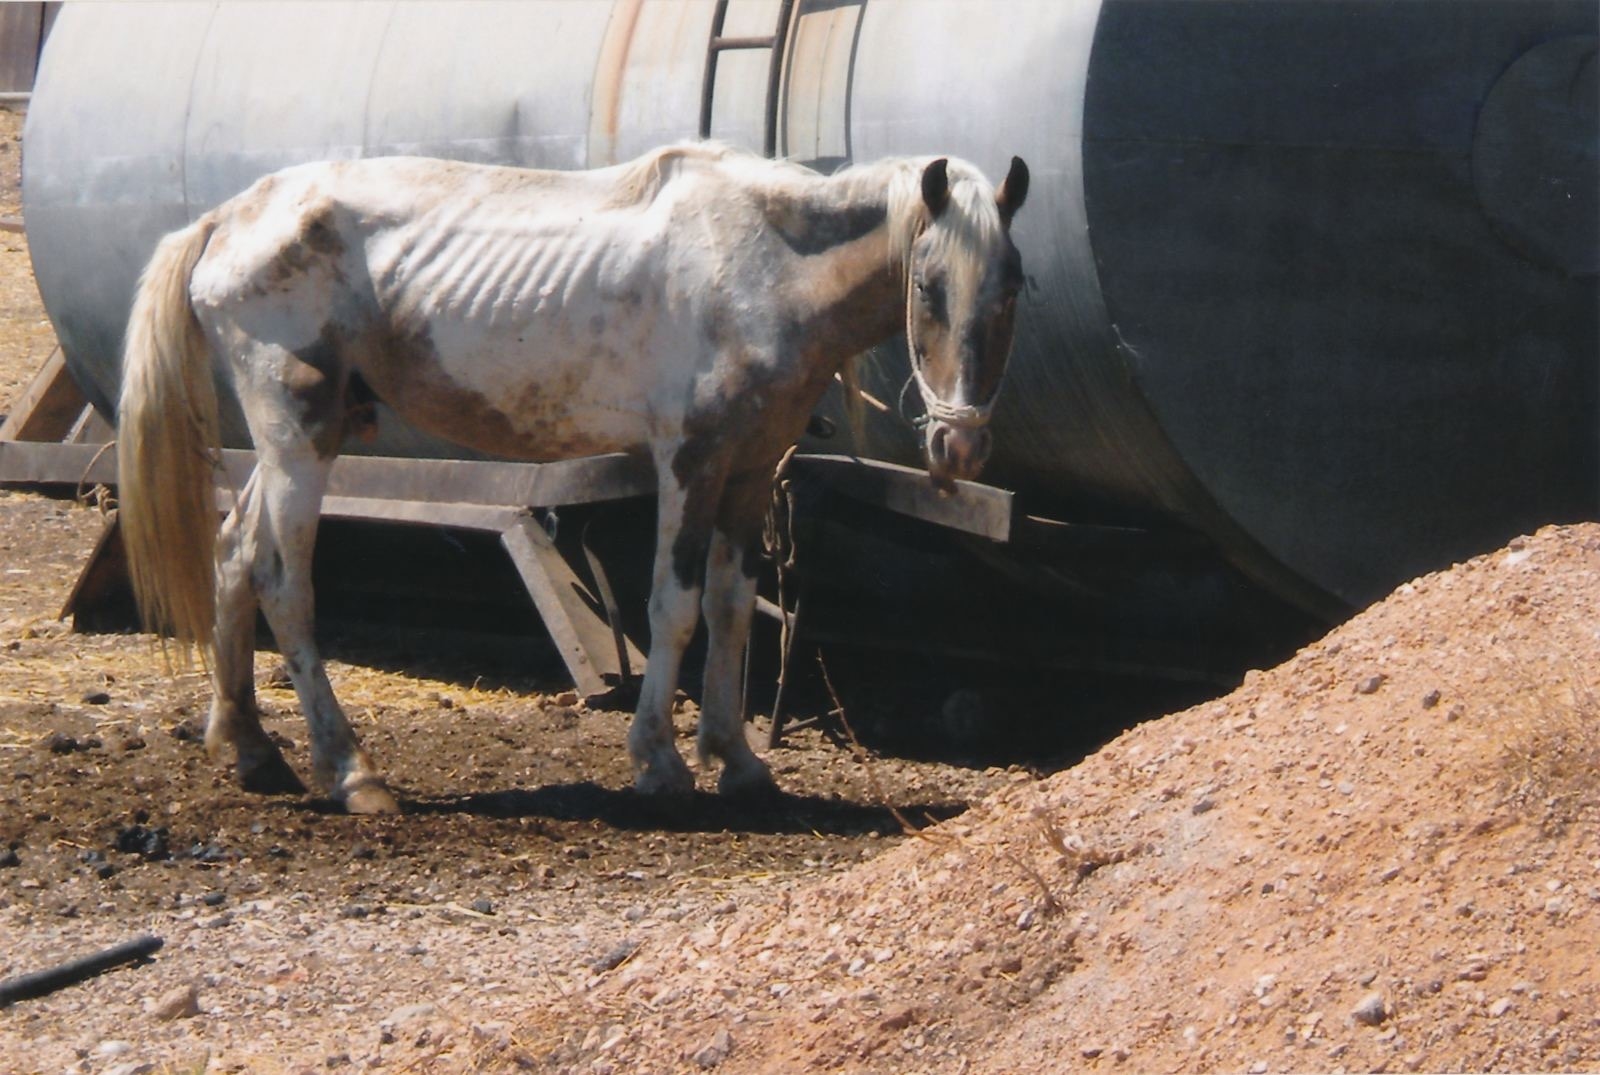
295,429
291,488
235,720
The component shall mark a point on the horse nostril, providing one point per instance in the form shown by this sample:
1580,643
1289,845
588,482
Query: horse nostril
939,444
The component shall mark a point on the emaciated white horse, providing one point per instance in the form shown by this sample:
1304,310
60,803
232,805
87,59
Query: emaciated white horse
691,305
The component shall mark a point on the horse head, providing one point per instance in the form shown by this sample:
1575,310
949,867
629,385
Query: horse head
963,277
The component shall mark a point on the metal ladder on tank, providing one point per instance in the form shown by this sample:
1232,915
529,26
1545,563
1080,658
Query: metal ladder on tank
718,44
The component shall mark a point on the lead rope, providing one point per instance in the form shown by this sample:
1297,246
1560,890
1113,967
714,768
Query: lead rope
777,540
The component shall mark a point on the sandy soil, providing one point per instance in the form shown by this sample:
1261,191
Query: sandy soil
26,338
1380,855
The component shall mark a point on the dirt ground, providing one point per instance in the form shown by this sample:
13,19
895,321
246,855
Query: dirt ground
26,338
1380,855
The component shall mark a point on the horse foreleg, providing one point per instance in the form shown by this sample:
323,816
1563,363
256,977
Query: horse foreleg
291,490
235,721
729,600
683,523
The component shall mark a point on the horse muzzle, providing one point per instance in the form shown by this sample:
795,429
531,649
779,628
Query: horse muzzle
956,453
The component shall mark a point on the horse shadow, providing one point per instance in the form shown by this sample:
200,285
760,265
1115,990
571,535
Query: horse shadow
777,814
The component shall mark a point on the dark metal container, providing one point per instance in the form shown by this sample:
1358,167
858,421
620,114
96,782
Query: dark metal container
1315,278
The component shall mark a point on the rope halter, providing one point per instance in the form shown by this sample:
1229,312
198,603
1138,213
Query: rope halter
936,408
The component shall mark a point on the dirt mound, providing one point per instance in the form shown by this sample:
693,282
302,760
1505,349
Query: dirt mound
1380,855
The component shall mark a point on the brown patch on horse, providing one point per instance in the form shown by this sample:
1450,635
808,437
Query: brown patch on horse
400,366
360,410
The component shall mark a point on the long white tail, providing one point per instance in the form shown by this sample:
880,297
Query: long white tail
167,447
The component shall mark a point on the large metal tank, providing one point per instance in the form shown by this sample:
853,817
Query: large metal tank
1315,279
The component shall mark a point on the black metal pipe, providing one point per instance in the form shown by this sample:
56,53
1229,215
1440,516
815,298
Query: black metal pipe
43,982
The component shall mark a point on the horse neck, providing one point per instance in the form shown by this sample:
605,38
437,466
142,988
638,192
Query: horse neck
850,270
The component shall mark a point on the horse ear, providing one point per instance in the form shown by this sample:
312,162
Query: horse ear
936,186
1013,190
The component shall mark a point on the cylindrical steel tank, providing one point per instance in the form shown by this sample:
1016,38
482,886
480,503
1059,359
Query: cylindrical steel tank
1316,279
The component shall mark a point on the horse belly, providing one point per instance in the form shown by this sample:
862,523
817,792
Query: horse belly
535,392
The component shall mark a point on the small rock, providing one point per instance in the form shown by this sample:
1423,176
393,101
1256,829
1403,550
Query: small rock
1371,683
615,957
483,906
9,858
1371,1011
1431,699
208,853
180,1003
131,1068
214,899
1500,1007
278,679
60,743
565,698
147,843
132,743
409,1013
96,698
717,1051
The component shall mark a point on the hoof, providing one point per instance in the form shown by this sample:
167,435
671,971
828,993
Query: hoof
269,775
672,778
371,796
750,783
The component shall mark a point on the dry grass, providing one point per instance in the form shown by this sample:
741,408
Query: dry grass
1550,761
